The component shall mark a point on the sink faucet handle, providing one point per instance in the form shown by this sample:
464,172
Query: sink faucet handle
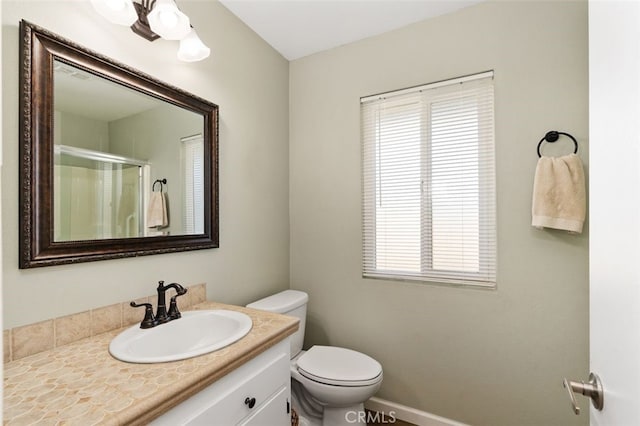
148,321
174,313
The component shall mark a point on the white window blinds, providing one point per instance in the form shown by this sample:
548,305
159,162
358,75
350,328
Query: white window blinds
193,190
429,183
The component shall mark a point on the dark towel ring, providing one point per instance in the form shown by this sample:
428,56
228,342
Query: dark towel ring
161,182
553,136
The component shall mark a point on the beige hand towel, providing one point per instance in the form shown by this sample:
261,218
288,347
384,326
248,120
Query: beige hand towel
559,195
157,213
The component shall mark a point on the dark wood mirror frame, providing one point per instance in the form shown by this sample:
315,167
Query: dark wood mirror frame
38,49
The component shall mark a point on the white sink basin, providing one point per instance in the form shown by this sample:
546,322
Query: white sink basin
196,333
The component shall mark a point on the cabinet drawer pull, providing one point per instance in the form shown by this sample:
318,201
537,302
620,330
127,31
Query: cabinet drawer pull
251,402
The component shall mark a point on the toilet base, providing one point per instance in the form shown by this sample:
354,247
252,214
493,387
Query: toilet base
333,416
344,416
315,414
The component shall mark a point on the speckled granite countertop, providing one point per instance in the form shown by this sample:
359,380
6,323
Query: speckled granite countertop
82,384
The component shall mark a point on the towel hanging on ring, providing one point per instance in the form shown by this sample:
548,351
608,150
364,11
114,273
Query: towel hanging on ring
157,216
559,194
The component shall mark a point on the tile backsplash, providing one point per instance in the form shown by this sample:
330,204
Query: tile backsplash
20,342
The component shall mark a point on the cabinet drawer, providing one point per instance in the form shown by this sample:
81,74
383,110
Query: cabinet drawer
260,386
223,402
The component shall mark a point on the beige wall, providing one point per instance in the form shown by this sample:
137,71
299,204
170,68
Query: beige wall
483,357
155,136
249,81
72,130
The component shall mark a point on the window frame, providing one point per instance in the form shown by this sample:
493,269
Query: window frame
486,200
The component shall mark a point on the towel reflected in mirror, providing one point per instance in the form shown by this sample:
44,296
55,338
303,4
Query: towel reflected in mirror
157,214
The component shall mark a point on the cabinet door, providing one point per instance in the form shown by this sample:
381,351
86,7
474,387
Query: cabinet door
272,413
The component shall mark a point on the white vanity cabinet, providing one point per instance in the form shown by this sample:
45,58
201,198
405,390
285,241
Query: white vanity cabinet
256,393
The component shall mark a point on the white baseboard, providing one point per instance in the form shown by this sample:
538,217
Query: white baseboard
408,414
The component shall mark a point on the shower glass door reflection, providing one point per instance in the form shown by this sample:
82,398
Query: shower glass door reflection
97,195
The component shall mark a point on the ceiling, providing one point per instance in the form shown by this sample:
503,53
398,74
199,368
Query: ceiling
76,91
298,28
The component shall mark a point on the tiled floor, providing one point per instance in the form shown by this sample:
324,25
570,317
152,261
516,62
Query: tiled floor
373,419
395,423
387,421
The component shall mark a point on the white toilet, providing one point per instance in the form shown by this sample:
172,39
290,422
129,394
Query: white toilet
329,383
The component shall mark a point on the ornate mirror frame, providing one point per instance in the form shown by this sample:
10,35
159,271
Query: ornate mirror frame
38,49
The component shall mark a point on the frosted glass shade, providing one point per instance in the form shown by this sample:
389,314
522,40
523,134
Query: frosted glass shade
166,20
192,49
119,12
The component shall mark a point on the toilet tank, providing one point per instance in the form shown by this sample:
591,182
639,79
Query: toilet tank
288,302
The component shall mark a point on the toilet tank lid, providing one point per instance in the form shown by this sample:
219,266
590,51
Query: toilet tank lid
282,302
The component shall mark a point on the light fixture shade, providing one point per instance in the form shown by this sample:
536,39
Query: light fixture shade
119,12
166,20
192,49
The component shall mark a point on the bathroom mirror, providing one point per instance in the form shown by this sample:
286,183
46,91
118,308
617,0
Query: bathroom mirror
114,163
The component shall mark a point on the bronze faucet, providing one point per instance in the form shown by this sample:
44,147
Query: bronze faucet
162,315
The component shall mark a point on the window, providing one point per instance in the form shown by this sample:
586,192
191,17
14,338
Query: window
193,178
429,183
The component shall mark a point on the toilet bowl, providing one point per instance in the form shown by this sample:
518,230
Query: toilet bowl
328,383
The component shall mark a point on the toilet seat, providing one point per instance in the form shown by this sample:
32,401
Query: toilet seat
336,366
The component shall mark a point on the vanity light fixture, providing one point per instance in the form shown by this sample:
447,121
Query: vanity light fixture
166,20
153,19
192,49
